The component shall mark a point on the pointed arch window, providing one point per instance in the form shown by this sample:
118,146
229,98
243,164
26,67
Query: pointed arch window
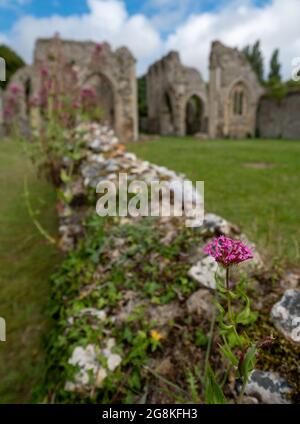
239,100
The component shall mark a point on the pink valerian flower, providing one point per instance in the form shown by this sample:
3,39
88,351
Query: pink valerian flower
227,251
98,48
15,89
44,71
87,93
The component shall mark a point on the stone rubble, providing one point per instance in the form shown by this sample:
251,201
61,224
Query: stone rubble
86,359
268,388
285,315
205,271
104,159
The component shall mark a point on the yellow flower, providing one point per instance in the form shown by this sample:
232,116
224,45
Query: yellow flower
156,335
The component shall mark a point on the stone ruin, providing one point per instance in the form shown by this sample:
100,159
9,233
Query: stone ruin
279,118
111,73
234,93
176,97
180,103
233,103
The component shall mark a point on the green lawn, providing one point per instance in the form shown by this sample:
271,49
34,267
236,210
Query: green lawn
25,264
263,200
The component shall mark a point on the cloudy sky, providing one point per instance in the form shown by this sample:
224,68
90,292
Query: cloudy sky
150,28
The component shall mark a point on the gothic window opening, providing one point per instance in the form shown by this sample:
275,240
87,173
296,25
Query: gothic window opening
239,100
194,115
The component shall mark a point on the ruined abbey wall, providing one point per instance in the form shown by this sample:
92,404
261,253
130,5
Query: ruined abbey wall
279,118
110,73
175,93
234,93
233,103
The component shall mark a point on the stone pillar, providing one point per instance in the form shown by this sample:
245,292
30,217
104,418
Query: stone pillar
214,87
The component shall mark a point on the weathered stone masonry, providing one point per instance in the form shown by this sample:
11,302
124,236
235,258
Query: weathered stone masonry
180,103
280,118
234,93
177,98
233,104
113,76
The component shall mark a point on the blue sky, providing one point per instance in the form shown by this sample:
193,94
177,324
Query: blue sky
12,9
152,27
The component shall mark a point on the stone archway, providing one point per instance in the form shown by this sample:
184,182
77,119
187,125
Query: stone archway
194,115
101,91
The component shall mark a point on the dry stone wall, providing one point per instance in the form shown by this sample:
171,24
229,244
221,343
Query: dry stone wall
103,159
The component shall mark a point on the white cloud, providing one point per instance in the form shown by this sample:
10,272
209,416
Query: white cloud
107,20
235,22
238,24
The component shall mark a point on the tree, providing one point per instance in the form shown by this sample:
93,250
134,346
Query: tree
274,75
255,58
142,95
13,62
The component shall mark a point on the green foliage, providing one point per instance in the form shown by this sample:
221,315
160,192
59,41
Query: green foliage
137,337
213,392
201,339
193,386
255,57
142,97
247,365
13,62
233,306
274,75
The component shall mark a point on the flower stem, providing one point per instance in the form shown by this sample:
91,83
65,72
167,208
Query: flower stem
209,345
242,392
227,278
228,296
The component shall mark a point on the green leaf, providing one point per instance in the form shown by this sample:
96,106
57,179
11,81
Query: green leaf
201,338
64,176
247,366
227,352
213,392
246,316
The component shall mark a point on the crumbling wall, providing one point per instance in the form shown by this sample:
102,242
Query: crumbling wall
1,112
279,118
234,92
170,86
111,73
21,88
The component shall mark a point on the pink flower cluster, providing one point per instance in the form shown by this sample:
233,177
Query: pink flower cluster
227,251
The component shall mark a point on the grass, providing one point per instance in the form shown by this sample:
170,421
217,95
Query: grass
26,261
263,200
